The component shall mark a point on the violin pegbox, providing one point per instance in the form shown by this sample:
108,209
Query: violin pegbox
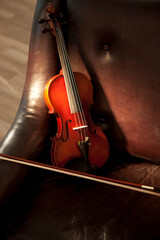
49,27
51,14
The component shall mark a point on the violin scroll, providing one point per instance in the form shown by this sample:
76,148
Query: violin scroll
50,8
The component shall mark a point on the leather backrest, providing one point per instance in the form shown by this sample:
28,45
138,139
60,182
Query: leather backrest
116,44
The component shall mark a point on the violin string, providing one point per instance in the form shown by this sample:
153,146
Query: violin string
76,93
78,107
66,72
67,83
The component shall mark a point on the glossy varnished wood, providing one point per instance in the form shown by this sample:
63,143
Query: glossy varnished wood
15,27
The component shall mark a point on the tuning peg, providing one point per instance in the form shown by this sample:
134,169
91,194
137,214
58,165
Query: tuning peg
46,30
43,20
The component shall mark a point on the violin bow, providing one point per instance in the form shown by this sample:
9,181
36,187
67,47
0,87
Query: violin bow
109,181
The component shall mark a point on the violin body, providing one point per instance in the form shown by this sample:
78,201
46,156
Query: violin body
65,143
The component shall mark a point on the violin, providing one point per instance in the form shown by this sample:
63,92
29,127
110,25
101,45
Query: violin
69,97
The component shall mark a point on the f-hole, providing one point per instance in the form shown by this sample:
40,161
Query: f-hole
67,132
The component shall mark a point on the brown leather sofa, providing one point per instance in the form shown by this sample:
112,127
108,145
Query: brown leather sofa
116,45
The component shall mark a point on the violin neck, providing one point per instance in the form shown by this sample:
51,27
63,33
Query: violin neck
70,83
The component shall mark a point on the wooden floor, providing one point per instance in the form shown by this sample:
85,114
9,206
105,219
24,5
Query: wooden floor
15,26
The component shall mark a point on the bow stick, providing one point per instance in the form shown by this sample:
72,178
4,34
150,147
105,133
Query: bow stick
118,183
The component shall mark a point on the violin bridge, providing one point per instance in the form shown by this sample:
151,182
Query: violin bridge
80,127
